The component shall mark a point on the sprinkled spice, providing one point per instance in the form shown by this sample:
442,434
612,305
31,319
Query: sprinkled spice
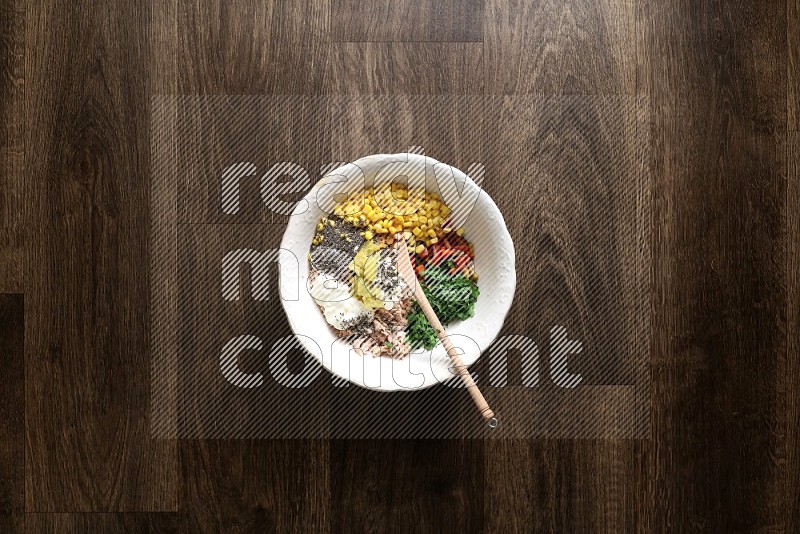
334,246
390,282
360,325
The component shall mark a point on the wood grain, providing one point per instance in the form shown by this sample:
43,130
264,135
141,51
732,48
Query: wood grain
211,134
405,68
377,125
86,352
384,486
719,258
791,382
209,406
12,412
569,215
587,486
245,48
555,49
559,213
723,88
112,523
252,48
793,64
12,178
256,486
407,20
560,47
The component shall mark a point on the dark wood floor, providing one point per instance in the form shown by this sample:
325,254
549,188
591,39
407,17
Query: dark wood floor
723,82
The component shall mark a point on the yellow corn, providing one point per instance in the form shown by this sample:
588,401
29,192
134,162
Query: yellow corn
393,208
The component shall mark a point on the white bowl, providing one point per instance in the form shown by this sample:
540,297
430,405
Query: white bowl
494,261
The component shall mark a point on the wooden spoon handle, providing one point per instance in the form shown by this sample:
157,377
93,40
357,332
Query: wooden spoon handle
453,352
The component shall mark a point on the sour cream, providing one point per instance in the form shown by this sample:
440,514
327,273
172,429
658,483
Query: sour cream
339,306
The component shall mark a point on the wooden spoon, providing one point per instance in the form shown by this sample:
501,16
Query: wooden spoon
406,271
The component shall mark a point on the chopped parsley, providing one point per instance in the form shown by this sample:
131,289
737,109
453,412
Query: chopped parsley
452,297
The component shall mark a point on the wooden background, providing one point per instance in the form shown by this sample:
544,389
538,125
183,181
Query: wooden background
723,81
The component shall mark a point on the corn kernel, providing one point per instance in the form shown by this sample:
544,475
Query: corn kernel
431,232
368,235
416,231
419,249
433,240
406,235
423,219
460,232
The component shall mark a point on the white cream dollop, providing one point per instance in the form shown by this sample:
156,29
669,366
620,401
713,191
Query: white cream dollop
339,305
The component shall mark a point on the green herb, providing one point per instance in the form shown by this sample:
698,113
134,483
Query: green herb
419,331
389,345
452,297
